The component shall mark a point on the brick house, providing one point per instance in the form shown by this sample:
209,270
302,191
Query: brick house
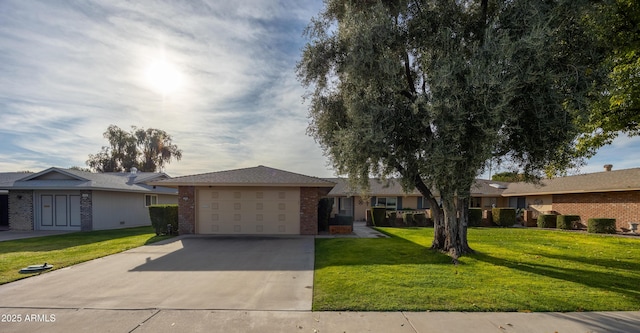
249,201
607,194
484,194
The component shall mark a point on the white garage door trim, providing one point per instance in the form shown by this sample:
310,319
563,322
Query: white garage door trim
248,210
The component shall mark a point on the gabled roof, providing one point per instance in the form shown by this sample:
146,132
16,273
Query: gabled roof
256,176
606,181
68,179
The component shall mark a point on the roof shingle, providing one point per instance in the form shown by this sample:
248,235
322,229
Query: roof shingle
606,181
255,176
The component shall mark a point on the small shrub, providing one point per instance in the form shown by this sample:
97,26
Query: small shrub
391,219
475,217
163,215
342,220
601,226
504,217
378,215
420,219
567,222
547,220
408,219
324,211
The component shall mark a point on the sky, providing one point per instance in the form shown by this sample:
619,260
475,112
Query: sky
218,76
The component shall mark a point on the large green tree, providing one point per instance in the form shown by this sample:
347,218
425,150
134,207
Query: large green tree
147,150
429,90
616,110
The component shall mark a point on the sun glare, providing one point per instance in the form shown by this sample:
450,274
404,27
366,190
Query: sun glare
163,77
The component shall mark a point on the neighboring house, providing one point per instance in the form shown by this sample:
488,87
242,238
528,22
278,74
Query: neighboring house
65,199
249,201
608,194
484,194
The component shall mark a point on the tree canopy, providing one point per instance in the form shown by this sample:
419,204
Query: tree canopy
147,150
616,110
429,90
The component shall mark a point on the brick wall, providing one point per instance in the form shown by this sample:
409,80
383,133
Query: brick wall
309,198
186,210
622,206
86,211
21,210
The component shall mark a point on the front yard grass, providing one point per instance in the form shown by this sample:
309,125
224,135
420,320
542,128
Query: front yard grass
68,249
513,269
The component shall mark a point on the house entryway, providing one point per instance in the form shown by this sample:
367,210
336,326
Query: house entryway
4,211
58,211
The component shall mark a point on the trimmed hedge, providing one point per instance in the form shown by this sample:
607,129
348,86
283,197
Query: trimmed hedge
341,220
163,215
420,219
408,219
547,220
475,217
567,222
325,206
378,216
601,226
504,217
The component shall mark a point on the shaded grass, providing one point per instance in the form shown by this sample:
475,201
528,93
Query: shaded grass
513,269
68,249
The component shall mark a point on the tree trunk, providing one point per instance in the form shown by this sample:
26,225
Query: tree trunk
449,222
455,227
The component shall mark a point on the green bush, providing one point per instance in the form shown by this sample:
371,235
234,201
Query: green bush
408,219
378,215
475,217
324,211
504,217
341,220
601,226
163,215
420,219
547,220
566,222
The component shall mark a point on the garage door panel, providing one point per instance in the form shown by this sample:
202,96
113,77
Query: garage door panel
248,211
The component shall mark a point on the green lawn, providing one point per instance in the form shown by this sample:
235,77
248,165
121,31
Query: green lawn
68,249
513,269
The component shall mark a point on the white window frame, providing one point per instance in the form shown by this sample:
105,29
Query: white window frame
386,202
150,199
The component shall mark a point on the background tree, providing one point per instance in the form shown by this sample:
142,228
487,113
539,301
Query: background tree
429,91
147,150
507,176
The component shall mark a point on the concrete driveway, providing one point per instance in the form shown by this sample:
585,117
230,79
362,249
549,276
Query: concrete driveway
189,272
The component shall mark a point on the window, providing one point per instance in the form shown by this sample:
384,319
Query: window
345,206
389,202
150,199
425,203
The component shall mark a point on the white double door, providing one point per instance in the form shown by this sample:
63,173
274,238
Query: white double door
58,211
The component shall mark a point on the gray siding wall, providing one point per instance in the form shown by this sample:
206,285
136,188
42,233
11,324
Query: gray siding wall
113,210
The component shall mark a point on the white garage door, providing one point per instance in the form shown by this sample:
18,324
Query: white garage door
248,211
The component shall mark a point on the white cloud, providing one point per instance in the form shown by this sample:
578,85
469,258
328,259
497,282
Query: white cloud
69,70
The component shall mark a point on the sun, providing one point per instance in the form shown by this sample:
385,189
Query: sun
163,77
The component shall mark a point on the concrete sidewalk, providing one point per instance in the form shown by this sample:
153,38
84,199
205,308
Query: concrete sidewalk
168,320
